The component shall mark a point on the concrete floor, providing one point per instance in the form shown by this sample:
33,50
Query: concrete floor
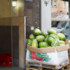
9,68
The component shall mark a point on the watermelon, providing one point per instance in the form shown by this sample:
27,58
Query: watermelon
54,36
29,42
46,36
50,40
37,32
43,45
61,36
34,43
55,43
62,42
40,38
31,36
42,33
69,42
45,39
51,31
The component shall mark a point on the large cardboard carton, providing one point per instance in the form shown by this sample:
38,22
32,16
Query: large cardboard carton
67,40
57,56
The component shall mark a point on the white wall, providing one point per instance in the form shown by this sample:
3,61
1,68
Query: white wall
45,16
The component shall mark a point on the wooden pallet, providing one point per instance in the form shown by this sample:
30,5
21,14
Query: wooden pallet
31,67
40,68
44,65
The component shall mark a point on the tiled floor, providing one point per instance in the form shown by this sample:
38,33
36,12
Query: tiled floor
9,68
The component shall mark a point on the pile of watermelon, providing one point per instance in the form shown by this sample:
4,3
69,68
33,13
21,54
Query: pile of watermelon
41,40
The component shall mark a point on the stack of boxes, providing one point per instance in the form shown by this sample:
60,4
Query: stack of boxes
6,59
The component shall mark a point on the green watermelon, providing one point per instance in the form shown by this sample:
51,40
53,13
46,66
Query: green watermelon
45,39
55,43
31,36
42,33
37,32
40,38
29,42
61,36
34,43
69,42
46,36
51,31
62,42
50,40
43,45
54,36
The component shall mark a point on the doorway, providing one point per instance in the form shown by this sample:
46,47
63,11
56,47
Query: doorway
12,33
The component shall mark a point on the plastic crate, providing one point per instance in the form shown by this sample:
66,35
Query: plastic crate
5,63
1,63
6,57
0,57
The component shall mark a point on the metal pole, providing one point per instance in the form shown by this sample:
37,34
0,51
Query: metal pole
24,42
69,21
11,42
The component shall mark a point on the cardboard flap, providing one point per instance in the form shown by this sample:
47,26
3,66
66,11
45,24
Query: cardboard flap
41,50
62,48
66,41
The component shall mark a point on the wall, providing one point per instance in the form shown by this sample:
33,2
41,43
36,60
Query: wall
17,23
5,8
45,16
33,13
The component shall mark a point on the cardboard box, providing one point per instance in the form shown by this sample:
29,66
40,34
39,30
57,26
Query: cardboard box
67,40
55,56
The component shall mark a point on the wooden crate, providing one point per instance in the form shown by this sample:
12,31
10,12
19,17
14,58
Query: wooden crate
38,64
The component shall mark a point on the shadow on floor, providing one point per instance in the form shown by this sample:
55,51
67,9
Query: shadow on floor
10,68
